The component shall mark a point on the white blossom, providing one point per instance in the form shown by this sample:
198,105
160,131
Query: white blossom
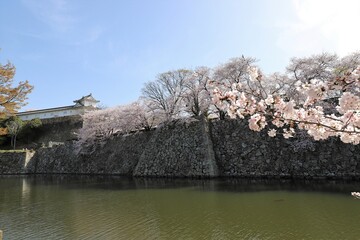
272,132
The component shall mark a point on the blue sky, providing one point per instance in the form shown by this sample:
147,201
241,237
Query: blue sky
110,48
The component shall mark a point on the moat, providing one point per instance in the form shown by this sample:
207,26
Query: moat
99,207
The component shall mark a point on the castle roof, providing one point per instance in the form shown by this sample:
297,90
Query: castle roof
88,98
78,103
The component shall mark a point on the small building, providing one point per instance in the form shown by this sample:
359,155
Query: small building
86,103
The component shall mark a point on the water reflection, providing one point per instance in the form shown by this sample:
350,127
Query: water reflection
220,184
102,207
25,192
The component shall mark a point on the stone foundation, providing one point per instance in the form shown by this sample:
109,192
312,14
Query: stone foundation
196,149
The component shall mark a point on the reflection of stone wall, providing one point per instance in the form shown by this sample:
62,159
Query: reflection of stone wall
198,149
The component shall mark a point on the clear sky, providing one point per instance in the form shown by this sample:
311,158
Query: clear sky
110,48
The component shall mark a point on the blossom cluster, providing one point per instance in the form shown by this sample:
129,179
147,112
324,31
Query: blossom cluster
282,114
356,194
100,125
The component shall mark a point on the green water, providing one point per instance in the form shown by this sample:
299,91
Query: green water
68,207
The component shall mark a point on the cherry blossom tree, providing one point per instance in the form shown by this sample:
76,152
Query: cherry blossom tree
318,67
197,98
101,125
279,113
144,117
235,71
167,91
322,67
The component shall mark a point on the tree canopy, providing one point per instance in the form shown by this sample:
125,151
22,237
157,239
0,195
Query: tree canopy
12,95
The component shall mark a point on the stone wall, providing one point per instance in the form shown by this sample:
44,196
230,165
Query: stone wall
179,149
14,162
199,149
242,152
53,131
119,155
60,129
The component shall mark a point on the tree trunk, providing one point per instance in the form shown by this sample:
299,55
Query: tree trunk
222,115
14,142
